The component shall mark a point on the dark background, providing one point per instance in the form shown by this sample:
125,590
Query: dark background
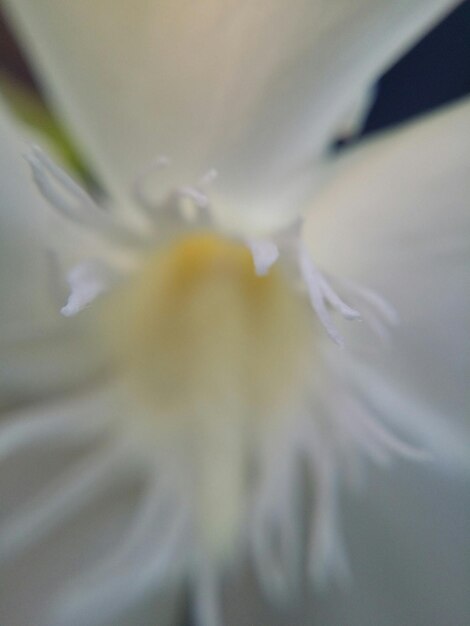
434,72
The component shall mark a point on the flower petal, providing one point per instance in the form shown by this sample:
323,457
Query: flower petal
73,490
34,584
253,89
395,218
26,301
41,352
407,539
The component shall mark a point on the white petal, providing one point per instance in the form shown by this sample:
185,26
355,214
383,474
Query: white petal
45,424
40,352
32,585
408,545
36,439
26,289
38,365
395,218
255,89
408,541
26,281
64,454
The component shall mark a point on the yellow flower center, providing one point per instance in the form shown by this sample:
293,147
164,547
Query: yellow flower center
201,333
216,355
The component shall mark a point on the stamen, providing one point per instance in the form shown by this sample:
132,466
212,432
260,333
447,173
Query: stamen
104,599
86,281
58,187
377,312
157,512
64,499
322,294
265,254
335,301
422,421
377,437
206,595
201,201
194,206
382,306
198,205
50,427
208,178
267,562
276,536
327,555
138,186
73,202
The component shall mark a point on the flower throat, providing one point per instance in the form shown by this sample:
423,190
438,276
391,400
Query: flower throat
201,333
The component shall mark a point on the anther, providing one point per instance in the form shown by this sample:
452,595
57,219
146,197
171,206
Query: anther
264,253
86,282
322,295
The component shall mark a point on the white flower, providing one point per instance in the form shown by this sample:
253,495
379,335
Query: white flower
174,404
